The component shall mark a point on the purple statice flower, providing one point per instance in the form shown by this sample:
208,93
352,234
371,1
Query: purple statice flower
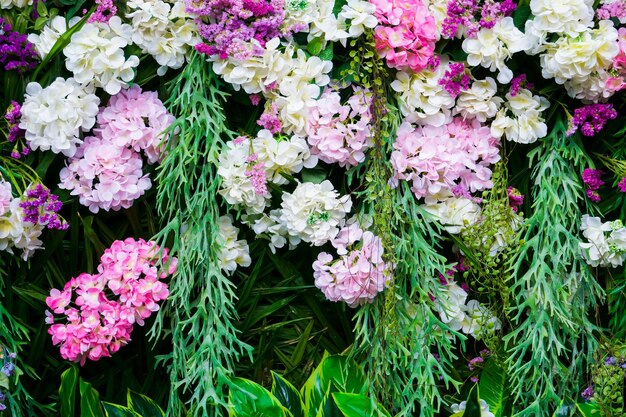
610,361
474,15
257,175
474,362
269,119
455,79
519,82
516,199
622,185
16,52
104,11
590,119
433,62
234,23
587,393
40,206
13,116
593,182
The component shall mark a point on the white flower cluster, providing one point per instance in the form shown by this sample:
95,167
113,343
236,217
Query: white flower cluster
291,80
233,252
318,17
95,54
453,213
277,156
479,101
162,30
8,4
54,116
492,47
422,99
471,318
606,242
520,119
15,233
51,32
567,17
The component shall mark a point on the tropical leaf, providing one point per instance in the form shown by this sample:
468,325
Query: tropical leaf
288,395
247,398
89,401
358,405
493,386
143,405
67,392
114,410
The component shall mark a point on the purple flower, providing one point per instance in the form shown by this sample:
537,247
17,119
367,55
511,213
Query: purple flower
40,206
622,185
587,393
455,79
591,178
591,119
516,199
610,361
16,52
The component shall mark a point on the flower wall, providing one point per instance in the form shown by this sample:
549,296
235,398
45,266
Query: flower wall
405,207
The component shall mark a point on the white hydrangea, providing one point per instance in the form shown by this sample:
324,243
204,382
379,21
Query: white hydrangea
287,156
520,119
162,30
422,99
479,101
439,10
233,252
54,116
314,213
454,213
50,33
606,242
450,304
325,25
492,47
479,321
360,14
96,54
15,233
562,16
590,89
8,4
578,57
484,408
271,225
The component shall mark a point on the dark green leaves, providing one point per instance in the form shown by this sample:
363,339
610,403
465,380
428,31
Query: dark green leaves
89,401
67,392
247,398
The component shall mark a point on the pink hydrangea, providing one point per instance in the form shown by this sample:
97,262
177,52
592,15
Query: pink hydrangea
98,311
406,34
436,159
341,133
137,120
104,175
359,274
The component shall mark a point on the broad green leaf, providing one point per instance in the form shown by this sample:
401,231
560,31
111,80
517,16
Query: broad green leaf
288,395
89,401
327,407
143,405
247,398
114,410
493,386
314,175
358,405
4,381
472,406
314,46
67,392
327,54
588,410
346,375
521,15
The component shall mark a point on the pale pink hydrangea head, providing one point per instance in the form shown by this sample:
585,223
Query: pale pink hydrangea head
97,311
136,119
448,158
341,133
406,34
104,175
6,196
359,273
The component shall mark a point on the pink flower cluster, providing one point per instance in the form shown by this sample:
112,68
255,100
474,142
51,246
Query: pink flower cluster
406,34
442,158
360,272
340,133
99,310
107,170
618,81
592,178
137,120
468,16
104,11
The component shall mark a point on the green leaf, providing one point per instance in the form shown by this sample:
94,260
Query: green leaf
327,54
346,375
247,398
493,386
143,405
89,401
114,410
314,47
472,406
588,409
4,381
566,408
357,405
288,395
316,175
67,391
